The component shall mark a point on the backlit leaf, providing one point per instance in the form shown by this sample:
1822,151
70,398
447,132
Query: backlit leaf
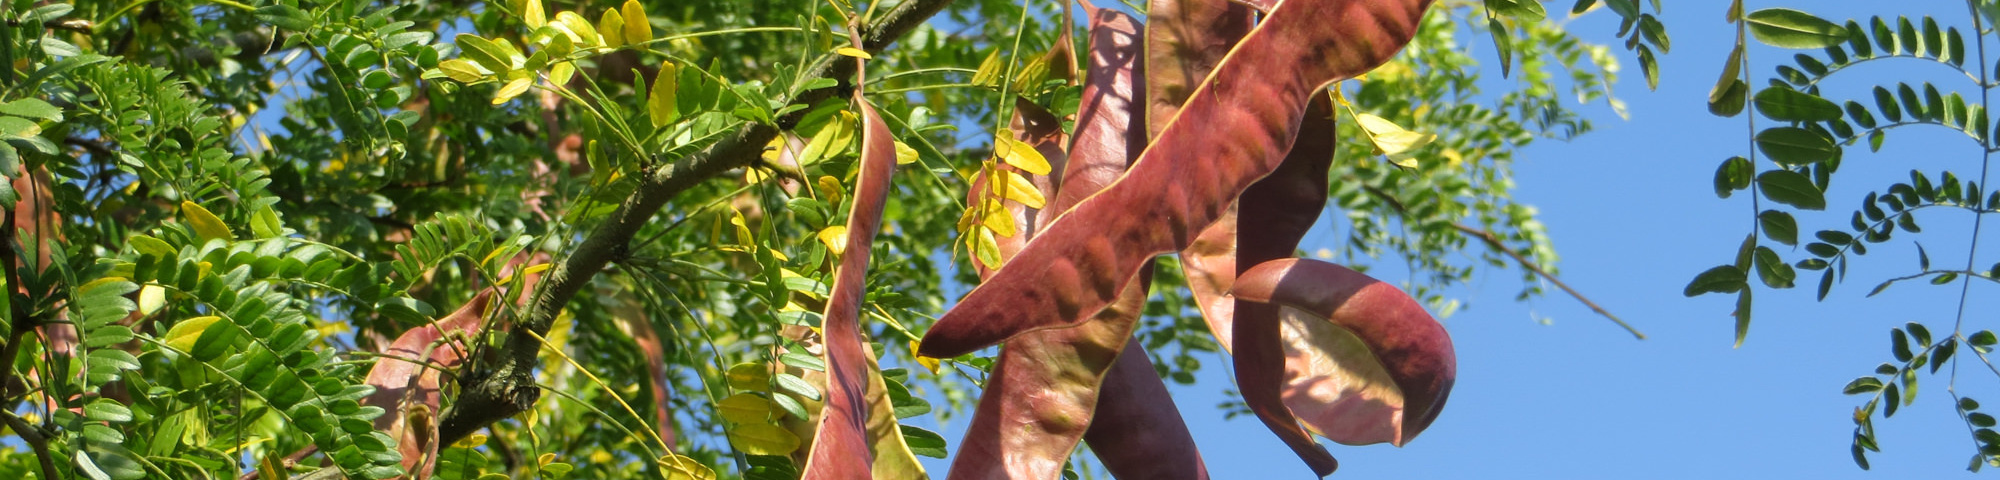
486,53
463,71
835,239
1795,146
1788,105
586,34
1786,28
853,52
754,377
1020,155
512,89
637,27
661,106
746,409
205,224
1013,186
1779,226
763,439
533,15
1721,279
679,467
1791,188
1389,138
611,27
184,333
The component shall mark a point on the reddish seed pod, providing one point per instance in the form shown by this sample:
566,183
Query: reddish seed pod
1233,130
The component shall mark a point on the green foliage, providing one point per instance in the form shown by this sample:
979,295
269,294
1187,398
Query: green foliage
236,206
1809,132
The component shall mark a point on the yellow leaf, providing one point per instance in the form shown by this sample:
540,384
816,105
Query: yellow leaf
679,467
546,458
205,224
1020,155
904,154
831,140
151,299
835,239
854,52
638,29
463,71
989,70
745,409
152,246
750,376
775,149
763,439
470,441
269,468
1389,138
184,334
743,236
560,74
533,15
996,219
579,27
966,219
985,249
928,362
1013,186
829,189
660,106
512,89
1032,74
612,27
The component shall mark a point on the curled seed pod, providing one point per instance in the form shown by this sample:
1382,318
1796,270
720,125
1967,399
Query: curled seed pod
1392,339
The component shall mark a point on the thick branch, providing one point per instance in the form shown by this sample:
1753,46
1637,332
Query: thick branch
34,439
495,391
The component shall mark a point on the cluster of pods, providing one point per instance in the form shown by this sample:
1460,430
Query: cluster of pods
1207,133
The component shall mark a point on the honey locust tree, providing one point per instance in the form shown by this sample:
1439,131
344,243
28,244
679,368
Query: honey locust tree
539,239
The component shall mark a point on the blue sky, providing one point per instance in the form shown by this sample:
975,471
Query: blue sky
1634,217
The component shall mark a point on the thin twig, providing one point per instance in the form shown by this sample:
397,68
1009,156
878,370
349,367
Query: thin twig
1494,241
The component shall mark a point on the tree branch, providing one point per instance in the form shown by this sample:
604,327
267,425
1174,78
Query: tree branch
502,387
1493,240
35,441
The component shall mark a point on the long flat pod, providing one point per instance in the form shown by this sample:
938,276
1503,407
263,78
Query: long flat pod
1138,432
633,320
852,431
1393,338
1271,217
1234,130
1044,390
1185,39
397,381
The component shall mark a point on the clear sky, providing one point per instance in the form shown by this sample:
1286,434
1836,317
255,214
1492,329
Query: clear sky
1633,214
